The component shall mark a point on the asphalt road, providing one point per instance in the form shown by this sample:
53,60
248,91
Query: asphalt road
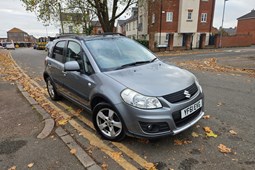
229,100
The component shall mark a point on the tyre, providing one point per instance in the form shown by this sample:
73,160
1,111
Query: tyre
52,90
108,123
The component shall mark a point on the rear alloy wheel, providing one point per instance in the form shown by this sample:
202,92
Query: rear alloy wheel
108,122
52,90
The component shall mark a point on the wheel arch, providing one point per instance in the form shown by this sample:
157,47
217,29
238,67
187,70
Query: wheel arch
45,76
96,99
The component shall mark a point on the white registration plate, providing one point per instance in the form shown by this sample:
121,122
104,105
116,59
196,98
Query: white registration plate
191,109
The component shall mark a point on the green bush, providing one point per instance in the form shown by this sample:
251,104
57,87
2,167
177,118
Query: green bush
144,43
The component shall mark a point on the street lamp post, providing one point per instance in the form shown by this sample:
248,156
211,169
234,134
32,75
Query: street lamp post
46,25
160,24
221,31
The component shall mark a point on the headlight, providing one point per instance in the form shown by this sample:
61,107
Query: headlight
198,85
138,100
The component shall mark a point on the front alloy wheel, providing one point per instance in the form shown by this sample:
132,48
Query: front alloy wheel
108,123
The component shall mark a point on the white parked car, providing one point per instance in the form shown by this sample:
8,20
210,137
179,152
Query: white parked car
9,45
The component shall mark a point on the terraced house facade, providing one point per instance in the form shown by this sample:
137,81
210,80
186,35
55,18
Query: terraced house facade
175,23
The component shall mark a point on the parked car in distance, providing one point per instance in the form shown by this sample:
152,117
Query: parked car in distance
9,45
128,90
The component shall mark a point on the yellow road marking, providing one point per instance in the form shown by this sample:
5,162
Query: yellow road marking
121,147
97,142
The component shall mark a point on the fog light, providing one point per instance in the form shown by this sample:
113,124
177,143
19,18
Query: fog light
149,127
154,127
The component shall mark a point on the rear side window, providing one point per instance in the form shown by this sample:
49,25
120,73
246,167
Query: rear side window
58,51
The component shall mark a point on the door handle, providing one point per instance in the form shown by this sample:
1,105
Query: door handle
64,73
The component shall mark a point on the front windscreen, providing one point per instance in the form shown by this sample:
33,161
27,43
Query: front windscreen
114,53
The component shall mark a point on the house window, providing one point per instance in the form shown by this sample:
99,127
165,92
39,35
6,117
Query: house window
134,25
169,17
70,29
203,17
153,19
190,15
141,19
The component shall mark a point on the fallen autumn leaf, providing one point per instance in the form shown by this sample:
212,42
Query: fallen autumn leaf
223,149
104,166
150,166
207,129
194,134
206,117
30,165
12,168
73,151
209,132
116,155
232,132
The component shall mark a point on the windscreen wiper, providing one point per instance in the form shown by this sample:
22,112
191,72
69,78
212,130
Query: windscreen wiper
133,64
153,59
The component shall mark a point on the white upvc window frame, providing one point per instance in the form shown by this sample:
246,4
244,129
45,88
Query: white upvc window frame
203,17
169,16
190,15
153,18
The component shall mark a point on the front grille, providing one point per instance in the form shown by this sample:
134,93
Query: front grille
179,122
155,127
180,96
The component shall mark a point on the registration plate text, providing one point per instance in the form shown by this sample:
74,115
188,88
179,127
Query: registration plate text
191,109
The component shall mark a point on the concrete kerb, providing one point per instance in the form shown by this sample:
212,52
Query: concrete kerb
83,157
49,124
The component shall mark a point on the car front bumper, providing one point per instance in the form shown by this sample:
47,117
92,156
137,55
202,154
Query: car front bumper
161,122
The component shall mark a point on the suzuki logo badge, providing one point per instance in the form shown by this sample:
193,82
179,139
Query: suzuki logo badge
186,93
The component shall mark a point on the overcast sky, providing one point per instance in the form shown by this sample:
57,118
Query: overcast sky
13,14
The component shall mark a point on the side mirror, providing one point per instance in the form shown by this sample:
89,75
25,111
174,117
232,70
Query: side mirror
72,66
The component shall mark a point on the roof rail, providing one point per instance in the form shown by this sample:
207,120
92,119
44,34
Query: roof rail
68,35
111,33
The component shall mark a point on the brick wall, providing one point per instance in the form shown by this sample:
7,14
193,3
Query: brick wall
206,7
247,26
167,6
235,41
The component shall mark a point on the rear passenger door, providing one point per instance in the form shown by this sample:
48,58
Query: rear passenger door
56,64
78,84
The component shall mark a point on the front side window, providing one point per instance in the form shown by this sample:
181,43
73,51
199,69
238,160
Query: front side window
75,53
114,53
58,51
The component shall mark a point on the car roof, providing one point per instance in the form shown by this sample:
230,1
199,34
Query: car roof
89,37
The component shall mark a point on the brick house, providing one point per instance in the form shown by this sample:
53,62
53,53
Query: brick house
176,23
17,35
246,25
97,28
128,27
121,26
